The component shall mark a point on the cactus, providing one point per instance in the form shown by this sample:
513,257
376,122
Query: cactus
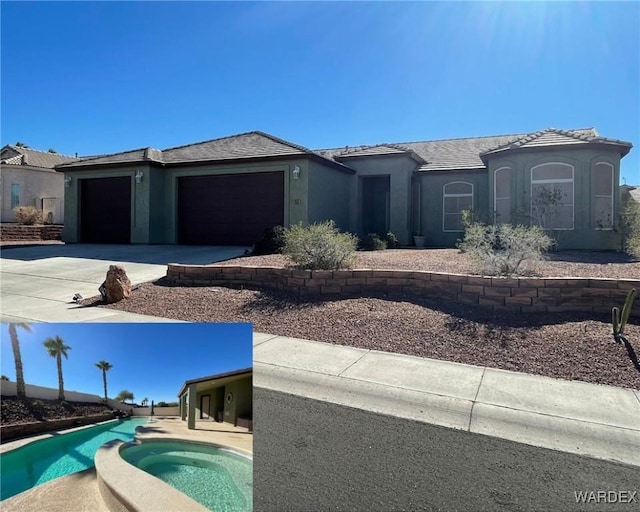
619,320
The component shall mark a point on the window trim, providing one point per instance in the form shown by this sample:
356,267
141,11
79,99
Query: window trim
556,180
495,190
613,172
444,198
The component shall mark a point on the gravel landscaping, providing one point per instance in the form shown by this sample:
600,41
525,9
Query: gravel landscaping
563,345
15,411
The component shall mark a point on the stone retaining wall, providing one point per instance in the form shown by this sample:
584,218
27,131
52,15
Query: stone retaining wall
527,295
18,232
9,432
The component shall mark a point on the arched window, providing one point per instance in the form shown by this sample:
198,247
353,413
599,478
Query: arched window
602,195
502,195
456,197
552,196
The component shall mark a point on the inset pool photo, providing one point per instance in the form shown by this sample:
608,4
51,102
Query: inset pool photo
106,417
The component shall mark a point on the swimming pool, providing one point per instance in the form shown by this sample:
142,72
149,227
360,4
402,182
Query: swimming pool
218,478
44,460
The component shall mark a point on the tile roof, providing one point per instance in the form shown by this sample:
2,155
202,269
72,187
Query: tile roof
33,158
435,155
557,137
253,144
466,153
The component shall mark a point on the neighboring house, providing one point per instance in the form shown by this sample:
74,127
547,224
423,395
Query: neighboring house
226,397
629,193
227,191
29,179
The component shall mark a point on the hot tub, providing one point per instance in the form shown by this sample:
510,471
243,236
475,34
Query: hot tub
217,477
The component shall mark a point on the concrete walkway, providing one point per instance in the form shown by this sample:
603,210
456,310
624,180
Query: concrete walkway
571,416
39,282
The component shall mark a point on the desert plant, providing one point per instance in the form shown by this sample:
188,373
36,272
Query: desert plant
125,395
320,246
372,242
28,215
501,249
392,240
56,348
272,241
37,404
4,377
619,319
631,229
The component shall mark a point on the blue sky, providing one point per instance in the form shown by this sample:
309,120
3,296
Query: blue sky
150,360
92,77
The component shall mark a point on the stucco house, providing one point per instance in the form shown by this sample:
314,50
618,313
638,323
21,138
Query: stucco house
29,179
228,190
226,397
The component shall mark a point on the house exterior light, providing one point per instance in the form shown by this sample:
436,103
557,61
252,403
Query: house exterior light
139,175
67,181
296,172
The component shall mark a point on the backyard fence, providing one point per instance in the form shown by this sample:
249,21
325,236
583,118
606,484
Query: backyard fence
8,388
157,411
525,295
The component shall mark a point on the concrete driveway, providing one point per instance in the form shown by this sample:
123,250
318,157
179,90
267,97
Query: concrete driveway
37,283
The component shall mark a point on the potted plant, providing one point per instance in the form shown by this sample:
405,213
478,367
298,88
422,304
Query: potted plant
419,241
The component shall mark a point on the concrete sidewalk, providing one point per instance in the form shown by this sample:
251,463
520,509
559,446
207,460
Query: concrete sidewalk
571,416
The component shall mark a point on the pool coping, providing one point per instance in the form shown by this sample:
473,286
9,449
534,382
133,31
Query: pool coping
125,487
16,444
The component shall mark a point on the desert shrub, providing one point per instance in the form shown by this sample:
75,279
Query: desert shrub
28,215
392,240
501,249
631,229
272,241
320,246
372,242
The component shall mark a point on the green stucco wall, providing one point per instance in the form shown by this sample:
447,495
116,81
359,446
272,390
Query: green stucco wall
140,201
431,202
242,404
584,235
400,169
329,195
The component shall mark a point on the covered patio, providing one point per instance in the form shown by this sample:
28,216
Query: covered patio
223,398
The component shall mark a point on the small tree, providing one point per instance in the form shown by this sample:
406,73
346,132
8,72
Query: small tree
631,229
320,246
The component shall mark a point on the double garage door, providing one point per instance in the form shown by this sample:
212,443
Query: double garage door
230,209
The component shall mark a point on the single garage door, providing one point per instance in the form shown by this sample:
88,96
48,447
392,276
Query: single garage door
229,209
105,210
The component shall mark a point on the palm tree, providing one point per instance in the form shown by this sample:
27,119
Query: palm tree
145,401
57,348
105,366
15,345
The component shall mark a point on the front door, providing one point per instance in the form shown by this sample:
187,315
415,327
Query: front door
204,407
375,204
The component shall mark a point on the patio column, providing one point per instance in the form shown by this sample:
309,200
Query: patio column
191,414
183,407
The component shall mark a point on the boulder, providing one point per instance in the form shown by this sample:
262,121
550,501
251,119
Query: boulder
117,285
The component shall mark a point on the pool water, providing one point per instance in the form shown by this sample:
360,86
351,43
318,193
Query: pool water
219,479
47,459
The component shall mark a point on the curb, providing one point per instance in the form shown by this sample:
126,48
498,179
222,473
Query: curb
559,430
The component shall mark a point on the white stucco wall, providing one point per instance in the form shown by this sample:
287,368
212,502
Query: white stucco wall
35,185
157,411
8,388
